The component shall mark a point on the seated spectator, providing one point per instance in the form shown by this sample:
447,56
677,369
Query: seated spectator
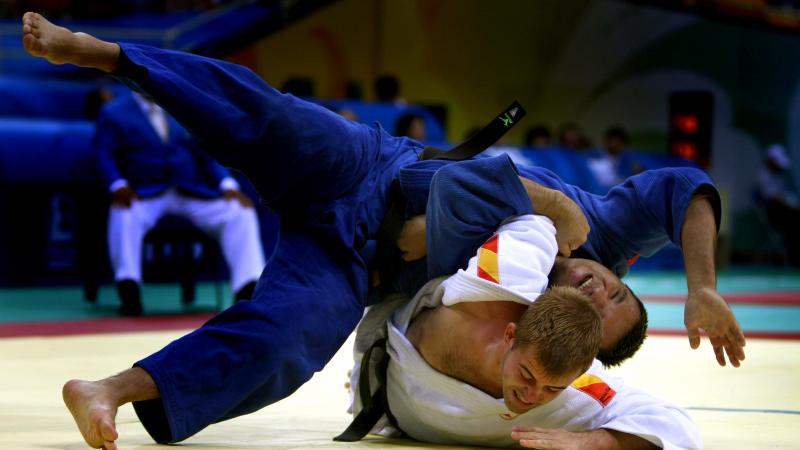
538,137
353,90
152,169
605,166
413,126
569,136
387,90
782,204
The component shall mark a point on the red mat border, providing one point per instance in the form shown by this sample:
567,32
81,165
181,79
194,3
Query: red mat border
105,325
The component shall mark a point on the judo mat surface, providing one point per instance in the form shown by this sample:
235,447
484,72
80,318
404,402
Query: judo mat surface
43,343
754,407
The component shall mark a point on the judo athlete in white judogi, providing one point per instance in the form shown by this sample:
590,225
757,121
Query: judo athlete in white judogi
438,395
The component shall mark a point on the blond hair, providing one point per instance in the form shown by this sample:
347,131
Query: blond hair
565,328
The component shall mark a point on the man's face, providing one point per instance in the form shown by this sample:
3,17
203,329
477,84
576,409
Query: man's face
525,384
618,309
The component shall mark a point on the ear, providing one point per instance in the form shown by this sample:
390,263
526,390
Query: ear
510,333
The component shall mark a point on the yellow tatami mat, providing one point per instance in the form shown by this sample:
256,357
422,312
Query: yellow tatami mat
754,407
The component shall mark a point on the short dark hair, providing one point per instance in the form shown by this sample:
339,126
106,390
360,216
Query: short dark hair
536,132
387,88
617,132
630,343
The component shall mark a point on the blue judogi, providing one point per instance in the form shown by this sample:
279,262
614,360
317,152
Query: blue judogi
330,180
128,147
467,200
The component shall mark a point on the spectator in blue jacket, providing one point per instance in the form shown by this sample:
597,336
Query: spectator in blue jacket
151,167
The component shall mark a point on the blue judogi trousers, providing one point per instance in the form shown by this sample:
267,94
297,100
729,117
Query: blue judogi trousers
328,178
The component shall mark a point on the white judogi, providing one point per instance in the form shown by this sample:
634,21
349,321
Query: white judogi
432,407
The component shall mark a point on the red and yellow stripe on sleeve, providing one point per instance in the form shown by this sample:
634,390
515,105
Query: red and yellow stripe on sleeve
595,387
488,268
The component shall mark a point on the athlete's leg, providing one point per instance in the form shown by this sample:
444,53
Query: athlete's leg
283,144
61,46
255,353
94,404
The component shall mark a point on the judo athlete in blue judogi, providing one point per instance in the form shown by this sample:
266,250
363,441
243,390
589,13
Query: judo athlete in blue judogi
152,168
331,180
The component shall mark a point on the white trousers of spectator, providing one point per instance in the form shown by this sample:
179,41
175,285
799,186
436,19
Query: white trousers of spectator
234,226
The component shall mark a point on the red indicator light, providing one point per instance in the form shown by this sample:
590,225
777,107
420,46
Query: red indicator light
686,150
686,123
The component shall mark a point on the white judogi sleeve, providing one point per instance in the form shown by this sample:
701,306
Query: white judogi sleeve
512,265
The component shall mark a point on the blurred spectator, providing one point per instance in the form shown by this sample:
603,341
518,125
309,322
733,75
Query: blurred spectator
569,136
152,168
538,137
353,90
95,100
782,204
387,89
605,166
413,126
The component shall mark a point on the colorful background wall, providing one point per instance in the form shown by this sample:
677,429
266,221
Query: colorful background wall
597,63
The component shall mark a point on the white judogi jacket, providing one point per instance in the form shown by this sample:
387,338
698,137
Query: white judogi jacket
432,407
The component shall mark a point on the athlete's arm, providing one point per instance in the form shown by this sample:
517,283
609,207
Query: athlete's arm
558,439
705,308
466,203
571,225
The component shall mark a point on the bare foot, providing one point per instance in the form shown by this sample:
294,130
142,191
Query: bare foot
94,409
61,46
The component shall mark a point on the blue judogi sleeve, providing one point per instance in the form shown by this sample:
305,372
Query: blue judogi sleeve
638,217
468,200
643,214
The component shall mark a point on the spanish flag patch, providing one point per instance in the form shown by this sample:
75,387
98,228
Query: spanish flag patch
595,387
488,268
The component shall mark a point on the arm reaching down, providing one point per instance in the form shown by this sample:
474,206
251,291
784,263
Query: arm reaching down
705,308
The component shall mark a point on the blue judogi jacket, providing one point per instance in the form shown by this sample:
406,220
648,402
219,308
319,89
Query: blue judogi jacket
127,146
466,201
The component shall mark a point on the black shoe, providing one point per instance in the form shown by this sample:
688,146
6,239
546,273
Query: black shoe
128,291
245,293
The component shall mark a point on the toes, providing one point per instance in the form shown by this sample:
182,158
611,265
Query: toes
31,44
108,431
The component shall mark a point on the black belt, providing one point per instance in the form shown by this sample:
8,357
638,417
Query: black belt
374,406
481,140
